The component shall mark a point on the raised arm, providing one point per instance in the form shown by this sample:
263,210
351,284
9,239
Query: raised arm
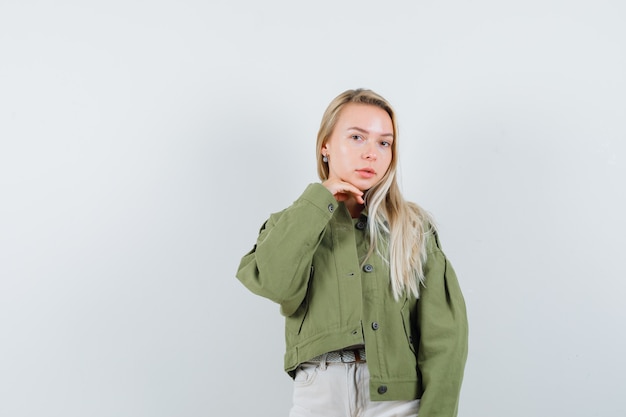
279,265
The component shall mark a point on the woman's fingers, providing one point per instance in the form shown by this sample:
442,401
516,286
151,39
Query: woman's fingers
343,191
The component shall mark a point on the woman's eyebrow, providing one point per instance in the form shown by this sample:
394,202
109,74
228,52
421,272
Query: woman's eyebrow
366,132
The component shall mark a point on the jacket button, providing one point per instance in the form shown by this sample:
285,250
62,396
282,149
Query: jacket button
360,225
375,325
368,268
331,208
382,389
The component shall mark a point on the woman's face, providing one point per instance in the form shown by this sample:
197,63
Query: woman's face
359,149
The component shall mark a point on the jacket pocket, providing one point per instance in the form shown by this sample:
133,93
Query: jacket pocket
408,329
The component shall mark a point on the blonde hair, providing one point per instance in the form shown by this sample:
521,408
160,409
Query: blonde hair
398,228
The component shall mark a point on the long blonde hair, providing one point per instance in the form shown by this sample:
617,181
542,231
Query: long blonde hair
398,228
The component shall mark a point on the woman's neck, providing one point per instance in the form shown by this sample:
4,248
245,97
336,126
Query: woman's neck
354,208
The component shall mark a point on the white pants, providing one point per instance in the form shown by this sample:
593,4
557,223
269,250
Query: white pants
341,390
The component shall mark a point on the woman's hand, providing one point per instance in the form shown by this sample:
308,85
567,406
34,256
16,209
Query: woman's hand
343,191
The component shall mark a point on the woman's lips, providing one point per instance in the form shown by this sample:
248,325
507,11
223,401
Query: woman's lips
366,172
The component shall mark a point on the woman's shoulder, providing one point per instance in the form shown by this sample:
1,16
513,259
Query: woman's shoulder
420,216
425,224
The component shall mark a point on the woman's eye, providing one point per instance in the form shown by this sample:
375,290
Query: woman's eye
385,144
356,137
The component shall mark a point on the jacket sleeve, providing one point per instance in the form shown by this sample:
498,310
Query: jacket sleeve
279,266
443,327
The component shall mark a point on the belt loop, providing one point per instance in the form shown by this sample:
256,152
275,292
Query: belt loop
323,362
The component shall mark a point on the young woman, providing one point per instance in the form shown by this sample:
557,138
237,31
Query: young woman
375,319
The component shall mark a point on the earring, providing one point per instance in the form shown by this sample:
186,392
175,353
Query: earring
325,158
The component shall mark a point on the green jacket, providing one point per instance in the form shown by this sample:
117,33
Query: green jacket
308,259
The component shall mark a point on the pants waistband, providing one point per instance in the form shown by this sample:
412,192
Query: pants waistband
342,356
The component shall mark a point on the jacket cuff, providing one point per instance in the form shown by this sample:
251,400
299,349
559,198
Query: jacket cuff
320,197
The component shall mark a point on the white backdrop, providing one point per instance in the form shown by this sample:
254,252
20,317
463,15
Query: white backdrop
143,143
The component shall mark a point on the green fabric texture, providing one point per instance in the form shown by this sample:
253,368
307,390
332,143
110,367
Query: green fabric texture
308,257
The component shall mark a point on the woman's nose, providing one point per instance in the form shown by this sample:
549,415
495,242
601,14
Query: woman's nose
370,154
